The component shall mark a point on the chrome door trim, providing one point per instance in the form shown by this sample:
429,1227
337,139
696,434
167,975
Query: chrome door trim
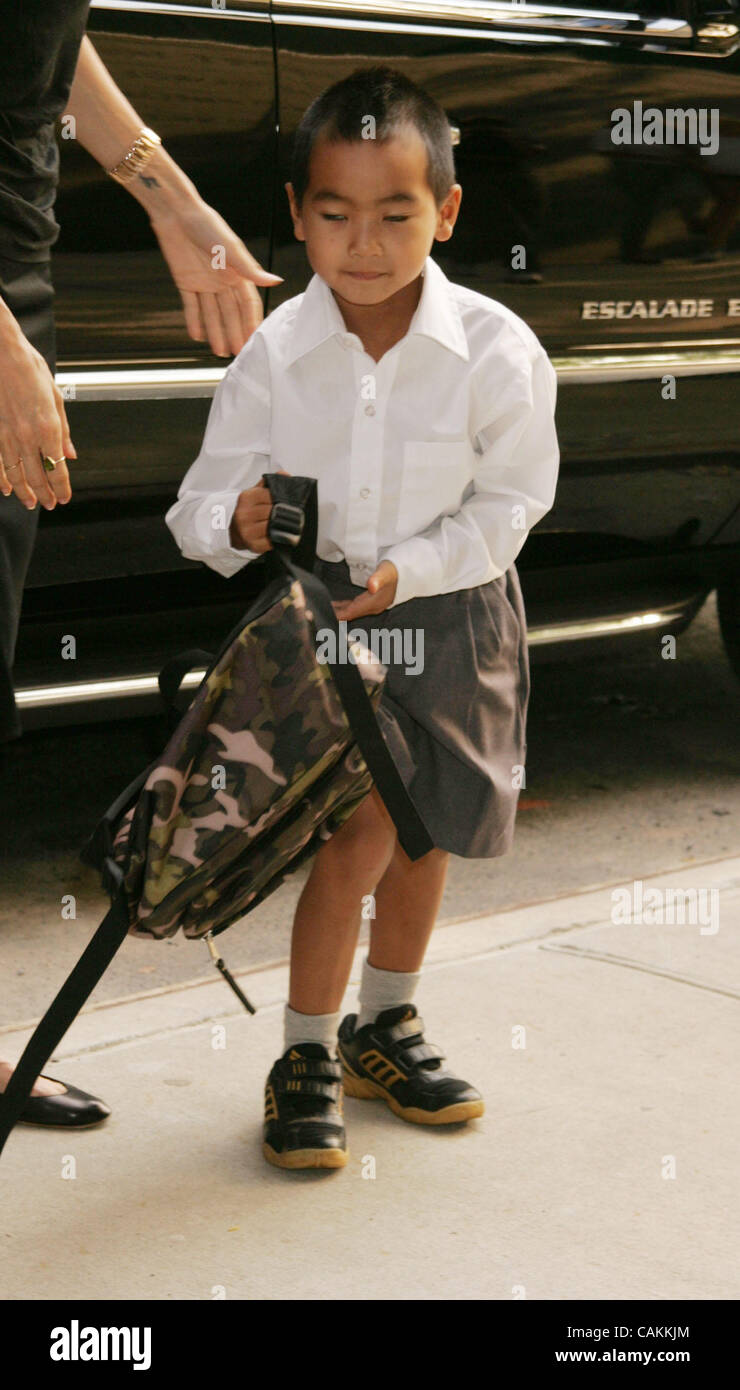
459,18
578,370
135,384
146,685
193,11
183,383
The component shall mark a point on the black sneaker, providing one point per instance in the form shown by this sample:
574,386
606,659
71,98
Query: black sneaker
303,1125
389,1060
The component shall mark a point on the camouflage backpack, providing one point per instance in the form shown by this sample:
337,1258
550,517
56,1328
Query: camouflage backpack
273,754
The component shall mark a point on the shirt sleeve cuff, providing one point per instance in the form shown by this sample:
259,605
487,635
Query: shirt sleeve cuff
212,545
419,569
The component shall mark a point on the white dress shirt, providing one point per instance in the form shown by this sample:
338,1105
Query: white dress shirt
440,457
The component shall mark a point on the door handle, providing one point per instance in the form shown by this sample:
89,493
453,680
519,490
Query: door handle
718,38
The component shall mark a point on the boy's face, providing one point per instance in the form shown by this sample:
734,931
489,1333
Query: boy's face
361,227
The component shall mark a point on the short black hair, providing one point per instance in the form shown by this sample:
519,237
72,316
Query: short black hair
394,101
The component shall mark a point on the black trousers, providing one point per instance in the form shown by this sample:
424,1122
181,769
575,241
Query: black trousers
27,290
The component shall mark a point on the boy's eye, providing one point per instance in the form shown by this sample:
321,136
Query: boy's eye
339,217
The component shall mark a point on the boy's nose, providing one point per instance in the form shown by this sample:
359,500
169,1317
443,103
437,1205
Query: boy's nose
363,240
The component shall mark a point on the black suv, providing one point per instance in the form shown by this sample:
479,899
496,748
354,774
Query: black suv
629,278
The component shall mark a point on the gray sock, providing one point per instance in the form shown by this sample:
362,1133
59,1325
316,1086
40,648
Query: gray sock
320,1028
382,989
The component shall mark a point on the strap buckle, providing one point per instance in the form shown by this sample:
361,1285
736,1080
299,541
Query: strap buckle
286,523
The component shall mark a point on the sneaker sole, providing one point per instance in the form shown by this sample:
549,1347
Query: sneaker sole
370,1090
306,1158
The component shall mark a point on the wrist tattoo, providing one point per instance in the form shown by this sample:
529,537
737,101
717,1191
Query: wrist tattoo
149,181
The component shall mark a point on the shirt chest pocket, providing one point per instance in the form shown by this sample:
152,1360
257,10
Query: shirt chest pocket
434,477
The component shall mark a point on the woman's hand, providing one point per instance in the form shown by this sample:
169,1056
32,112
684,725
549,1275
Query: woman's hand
33,423
381,588
214,272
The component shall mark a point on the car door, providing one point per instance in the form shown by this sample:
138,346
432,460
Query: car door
622,258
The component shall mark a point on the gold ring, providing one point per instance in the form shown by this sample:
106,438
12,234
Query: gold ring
12,466
49,464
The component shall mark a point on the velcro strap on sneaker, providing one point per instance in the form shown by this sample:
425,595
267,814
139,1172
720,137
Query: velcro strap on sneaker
309,1066
305,1086
423,1052
405,1029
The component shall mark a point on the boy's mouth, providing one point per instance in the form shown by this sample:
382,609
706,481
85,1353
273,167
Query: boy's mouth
365,274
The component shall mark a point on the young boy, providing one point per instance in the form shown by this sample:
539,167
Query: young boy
425,411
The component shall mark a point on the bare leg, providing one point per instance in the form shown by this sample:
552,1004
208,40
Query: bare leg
407,901
327,918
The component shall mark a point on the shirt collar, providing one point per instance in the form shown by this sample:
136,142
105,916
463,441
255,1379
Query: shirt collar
436,316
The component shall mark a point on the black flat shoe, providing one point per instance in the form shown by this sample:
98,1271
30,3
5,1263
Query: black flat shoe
73,1110
389,1060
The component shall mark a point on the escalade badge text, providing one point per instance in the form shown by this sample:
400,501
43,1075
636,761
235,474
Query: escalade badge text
655,308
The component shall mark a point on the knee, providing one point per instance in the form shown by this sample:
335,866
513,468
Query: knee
367,839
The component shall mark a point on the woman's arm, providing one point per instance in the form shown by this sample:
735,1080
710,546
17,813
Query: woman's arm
221,304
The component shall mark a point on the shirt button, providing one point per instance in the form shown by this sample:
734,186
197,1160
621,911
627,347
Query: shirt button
364,492
369,409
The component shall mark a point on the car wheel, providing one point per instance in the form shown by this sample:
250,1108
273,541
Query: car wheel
728,608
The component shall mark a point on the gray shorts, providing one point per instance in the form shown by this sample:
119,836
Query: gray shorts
456,726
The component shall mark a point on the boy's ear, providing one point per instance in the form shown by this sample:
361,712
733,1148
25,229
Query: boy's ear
448,213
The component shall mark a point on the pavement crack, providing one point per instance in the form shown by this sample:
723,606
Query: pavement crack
608,959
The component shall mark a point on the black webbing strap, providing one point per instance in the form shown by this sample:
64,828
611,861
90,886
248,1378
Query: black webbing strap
303,493
413,834
76,989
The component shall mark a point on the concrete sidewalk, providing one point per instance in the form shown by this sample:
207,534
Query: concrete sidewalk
606,1164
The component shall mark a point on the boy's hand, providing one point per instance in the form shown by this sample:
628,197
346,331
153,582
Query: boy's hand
381,587
248,529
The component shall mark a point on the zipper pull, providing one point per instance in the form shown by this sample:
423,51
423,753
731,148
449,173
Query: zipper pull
229,978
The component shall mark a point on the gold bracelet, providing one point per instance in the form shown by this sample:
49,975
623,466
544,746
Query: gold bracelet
147,144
